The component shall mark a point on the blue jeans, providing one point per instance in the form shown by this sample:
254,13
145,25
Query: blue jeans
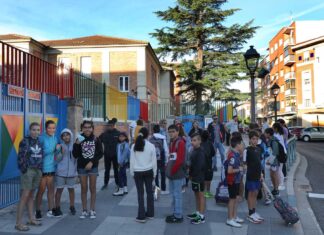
221,150
175,187
122,177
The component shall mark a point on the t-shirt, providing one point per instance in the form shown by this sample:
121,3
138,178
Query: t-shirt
217,133
233,159
253,162
232,126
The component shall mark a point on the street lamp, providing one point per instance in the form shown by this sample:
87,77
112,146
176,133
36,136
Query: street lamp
275,89
252,57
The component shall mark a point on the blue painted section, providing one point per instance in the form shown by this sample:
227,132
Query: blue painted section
187,121
51,105
11,168
133,106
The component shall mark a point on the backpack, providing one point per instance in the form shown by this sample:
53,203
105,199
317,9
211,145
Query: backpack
158,144
282,157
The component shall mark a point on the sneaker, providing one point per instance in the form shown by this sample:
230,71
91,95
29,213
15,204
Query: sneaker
275,193
72,210
104,187
258,216
116,188
253,219
208,195
267,202
239,220
149,217
84,214
50,213
232,223
165,192
198,220
93,214
192,216
139,220
38,215
171,219
57,212
119,192
183,190
281,187
125,190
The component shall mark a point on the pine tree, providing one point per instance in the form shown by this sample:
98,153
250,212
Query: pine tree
197,30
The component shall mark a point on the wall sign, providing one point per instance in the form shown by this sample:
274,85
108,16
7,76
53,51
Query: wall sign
19,92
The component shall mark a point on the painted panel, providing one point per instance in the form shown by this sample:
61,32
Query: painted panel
133,106
116,104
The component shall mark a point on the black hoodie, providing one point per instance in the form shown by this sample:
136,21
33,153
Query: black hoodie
89,150
198,165
110,140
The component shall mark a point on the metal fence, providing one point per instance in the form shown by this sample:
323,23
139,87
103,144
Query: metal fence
291,152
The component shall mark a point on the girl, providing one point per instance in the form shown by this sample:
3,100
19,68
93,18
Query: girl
123,159
66,172
143,167
51,149
30,160
195,129
88,152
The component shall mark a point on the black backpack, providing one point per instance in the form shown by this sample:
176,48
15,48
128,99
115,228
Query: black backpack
282,157
158,143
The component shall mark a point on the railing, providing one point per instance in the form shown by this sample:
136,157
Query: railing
291,152
290,91
289,42
9,192
289,59
290,76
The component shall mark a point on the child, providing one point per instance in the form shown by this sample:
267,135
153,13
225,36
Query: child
233,172
88,152
66,172
253,176
123,154
30,160
197,176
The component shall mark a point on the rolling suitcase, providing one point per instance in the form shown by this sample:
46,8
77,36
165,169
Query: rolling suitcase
287,212
221,195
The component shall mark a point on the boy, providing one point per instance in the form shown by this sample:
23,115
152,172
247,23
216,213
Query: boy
252,160
66,172
233,172
176,172
197,176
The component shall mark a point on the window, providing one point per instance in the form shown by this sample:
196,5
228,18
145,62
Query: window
282,104
306,56
276,46
271,50
312,55
281,73
306,81
67,64
307,103
123,83
280,42
282,88
86,66
153,77
300,58
281,58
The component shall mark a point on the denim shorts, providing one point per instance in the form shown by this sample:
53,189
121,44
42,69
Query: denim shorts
62,182
253,185
84,172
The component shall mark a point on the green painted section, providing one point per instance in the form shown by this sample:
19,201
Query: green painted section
6,145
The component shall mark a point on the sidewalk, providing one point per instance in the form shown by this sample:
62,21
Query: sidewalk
116,215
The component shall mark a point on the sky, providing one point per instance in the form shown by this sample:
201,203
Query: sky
135,19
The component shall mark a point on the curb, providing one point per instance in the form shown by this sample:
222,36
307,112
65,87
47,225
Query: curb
297,188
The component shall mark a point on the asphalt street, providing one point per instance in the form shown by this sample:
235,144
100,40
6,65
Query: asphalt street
314,153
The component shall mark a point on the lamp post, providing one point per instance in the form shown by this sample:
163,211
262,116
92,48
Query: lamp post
252,57
275,89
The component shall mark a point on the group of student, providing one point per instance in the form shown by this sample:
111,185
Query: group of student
48,163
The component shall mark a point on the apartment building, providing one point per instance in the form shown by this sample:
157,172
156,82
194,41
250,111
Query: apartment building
282,66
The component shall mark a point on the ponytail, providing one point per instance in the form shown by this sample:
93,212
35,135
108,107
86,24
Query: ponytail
140,140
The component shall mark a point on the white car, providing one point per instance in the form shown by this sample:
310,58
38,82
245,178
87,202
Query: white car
312,133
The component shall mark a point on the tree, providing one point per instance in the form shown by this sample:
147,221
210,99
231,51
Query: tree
196,29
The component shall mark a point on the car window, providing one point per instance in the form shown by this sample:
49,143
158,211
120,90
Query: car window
314,129
321,129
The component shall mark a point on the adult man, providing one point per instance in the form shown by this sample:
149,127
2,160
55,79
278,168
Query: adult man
163,129
110,140
232,126
176,172
162,153
217,134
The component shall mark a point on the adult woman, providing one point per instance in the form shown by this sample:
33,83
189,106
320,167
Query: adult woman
50,148
88,150
30,160
195,129
143,167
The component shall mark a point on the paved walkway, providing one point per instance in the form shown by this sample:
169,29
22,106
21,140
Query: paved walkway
116,215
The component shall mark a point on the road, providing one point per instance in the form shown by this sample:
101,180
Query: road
314,153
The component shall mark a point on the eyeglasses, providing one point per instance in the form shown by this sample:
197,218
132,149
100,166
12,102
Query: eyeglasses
87,127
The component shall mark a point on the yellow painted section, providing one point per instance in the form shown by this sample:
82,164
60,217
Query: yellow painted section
229,112
116,104
19,136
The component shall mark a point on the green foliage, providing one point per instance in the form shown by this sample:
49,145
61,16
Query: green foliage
197,30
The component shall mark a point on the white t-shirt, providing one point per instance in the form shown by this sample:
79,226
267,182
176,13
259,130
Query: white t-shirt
232,126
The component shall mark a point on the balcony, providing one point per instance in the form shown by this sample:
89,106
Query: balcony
290,76
289,42
290,109
290,92
289,60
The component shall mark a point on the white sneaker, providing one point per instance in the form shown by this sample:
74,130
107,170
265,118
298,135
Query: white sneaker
125,190
254,219
267,201
239,220
49,214
281,187
232,223
84,215
93,214
165,192
120,192
259,216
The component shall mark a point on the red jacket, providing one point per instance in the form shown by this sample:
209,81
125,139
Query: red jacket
178,146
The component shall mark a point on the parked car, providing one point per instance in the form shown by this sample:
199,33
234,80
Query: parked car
312,133
296,131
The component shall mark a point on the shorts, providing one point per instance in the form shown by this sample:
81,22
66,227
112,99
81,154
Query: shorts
48,174
31,179
233,190
84,172
253,185
198,187
209,175
62,182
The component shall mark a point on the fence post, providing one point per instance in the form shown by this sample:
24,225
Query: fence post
104,102
25,101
